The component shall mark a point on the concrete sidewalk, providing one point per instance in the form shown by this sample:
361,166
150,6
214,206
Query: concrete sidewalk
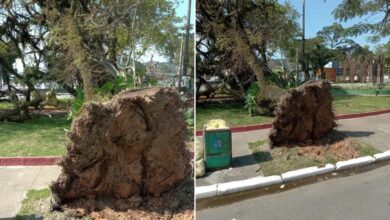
15,181
374,130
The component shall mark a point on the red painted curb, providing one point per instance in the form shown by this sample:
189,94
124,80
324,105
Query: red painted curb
243,128
265,126
199,133
251,127
364,114
28,161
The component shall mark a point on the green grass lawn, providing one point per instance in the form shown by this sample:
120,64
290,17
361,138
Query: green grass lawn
356,104
61,104
5,105
41,136
236,115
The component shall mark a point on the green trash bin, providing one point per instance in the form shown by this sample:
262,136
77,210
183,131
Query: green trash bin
218,145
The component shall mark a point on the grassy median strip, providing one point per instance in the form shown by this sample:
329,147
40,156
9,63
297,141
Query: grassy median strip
278,160
40,136
365,149
282,159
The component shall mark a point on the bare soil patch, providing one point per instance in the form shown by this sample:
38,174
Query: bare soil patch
176,204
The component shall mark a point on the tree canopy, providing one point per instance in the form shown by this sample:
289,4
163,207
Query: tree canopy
237,37
378,10
81,43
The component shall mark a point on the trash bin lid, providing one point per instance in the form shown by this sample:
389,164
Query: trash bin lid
216,124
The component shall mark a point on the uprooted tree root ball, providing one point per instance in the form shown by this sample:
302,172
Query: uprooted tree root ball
304,115
126,151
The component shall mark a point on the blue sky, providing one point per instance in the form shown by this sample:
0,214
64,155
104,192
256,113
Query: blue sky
319,14
181,9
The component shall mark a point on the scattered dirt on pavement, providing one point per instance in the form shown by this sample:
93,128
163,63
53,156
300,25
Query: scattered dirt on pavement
304,114
127,156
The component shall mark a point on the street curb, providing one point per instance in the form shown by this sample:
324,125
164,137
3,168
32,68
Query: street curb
307,172
363,114
247,128
382,156
361,161
247,184
221,189
28,161
203,192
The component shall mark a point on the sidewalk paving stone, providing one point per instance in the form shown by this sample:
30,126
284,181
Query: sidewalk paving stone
15,181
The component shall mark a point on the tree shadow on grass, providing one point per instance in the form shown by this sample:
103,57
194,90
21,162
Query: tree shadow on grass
357,134
26,217
263,156
250,159
333,136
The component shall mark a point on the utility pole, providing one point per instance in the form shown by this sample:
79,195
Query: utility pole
186,41
180,65
304,69
297,67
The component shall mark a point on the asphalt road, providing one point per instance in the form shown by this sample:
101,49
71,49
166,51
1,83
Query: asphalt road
361,196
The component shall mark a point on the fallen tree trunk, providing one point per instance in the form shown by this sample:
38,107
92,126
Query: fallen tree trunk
270,94
20,113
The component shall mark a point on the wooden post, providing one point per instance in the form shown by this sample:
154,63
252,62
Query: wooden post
352,70
369,68
381,69
374,70
362,70
345,67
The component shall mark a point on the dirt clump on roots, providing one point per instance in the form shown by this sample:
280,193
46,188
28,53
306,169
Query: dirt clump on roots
304,114
126,154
